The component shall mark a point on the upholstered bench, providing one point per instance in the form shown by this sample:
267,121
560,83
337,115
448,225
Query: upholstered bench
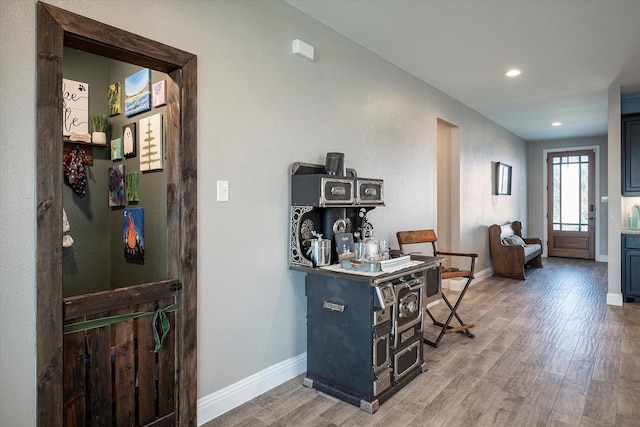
510,252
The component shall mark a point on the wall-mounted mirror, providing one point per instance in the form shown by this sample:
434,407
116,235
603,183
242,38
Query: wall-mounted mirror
502,179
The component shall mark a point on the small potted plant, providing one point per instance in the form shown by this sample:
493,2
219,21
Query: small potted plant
99,128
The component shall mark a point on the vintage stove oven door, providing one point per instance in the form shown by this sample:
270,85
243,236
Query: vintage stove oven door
381,340
406,359
408,307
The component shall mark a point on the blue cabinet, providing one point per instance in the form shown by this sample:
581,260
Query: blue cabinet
630,151
631,267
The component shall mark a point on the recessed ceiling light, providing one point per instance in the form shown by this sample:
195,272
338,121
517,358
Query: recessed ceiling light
514,72
556,124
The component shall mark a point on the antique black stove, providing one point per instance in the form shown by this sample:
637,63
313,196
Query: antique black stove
364,334
364,331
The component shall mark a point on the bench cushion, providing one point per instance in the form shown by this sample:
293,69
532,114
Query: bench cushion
531,248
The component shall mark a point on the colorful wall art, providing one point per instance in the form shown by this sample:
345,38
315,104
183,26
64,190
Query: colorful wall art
114,99
116,186
134,233
150,137
129,140
75,107
116,149
132,186
137,90
159,93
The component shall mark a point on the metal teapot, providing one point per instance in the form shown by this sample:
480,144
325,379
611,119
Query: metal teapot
320,251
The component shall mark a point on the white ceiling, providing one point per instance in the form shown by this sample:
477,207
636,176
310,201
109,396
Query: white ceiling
570,52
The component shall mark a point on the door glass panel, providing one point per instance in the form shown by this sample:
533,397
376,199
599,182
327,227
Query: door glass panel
584,194
556,195
569,189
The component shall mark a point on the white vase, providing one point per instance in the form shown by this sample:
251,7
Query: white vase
99,138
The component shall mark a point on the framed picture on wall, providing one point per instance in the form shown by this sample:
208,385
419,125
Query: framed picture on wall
129,140
75,107
116,149
151,143
503,179
159,93
114,99
132,186
116,186
137,93
133,227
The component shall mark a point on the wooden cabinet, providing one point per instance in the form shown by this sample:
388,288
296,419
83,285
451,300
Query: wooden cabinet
630,151
631,267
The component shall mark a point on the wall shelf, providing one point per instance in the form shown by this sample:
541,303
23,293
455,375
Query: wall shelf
86,146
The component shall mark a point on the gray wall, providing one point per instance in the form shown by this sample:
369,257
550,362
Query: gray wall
260,108
538,194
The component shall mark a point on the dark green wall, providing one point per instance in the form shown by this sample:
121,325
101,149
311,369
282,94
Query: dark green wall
87,264
96,260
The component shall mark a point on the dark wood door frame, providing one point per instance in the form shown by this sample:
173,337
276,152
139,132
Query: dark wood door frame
58,28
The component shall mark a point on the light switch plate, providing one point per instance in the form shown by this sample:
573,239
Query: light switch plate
223,191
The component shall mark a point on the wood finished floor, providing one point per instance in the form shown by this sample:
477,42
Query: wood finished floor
548,351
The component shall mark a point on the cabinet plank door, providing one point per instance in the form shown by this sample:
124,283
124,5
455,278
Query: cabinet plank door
632,273
631,266
631,155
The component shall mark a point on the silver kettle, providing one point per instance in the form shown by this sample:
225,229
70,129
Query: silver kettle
320,251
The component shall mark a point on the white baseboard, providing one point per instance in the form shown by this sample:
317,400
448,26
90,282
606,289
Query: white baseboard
481,275
602,258
614,298
457,285
221,401
433,303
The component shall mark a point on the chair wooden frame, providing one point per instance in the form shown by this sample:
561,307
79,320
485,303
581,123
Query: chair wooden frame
429,236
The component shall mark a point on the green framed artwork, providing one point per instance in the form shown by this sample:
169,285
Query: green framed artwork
114,99
132,186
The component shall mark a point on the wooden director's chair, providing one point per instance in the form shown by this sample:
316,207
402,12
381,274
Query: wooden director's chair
429,236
